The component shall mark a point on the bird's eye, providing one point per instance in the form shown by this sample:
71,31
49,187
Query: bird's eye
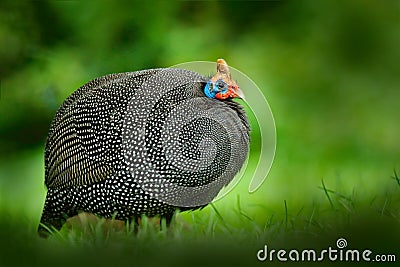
221,85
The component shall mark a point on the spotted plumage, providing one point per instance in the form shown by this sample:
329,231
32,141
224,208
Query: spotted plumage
141,143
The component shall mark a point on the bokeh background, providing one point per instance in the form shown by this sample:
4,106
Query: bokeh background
329,70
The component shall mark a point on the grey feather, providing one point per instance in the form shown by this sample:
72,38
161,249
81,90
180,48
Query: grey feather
143,142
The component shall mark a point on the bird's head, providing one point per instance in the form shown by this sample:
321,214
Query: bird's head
221,86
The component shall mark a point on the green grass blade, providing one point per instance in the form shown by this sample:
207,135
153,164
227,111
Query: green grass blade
326,193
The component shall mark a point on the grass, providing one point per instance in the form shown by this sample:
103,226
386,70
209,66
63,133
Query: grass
395,177
214,236
228,232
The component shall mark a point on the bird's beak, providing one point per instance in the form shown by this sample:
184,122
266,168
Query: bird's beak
238,93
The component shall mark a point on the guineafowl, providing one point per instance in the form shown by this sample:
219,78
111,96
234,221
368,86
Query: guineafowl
143,143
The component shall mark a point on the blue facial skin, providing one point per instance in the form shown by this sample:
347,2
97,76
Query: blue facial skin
211,89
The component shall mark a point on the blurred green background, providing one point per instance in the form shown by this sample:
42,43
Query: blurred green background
329,70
